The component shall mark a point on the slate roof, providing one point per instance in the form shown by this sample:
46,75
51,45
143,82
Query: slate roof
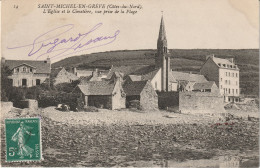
41,66
97,88
139,70
222,61
55,72
134,88
182,76
204,85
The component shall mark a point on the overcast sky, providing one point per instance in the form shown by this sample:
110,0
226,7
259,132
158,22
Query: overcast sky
216,24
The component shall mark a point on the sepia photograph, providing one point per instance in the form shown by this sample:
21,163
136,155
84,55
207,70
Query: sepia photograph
133,83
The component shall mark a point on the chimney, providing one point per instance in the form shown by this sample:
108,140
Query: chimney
210,56
74,71
95,73
48,60
231,60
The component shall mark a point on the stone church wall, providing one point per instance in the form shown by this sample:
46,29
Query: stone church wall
200,102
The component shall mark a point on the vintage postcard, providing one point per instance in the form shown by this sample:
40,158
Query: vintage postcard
133,83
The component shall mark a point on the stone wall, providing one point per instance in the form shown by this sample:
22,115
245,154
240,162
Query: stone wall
149,98
28,103
168,99
200,102
119,97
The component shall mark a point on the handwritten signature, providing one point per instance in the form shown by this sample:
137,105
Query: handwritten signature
51,42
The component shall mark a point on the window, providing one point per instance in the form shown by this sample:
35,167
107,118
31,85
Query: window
226,82
236,91
31,70
17,69
24,82
38,81
236,74
233,74
229,91
155,85
221,79
226,73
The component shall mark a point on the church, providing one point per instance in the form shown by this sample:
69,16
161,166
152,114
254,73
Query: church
143,83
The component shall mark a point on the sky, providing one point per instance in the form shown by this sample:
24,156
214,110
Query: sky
28,33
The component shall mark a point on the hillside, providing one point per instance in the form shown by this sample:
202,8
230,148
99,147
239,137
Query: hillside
181,60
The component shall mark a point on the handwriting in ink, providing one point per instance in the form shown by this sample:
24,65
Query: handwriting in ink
52,43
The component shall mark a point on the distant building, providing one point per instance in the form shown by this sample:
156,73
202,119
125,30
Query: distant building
26,73
226,75
209,86
60,75
185,81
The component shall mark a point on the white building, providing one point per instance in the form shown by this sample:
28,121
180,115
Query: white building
225,73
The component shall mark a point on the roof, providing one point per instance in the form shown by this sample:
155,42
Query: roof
135,77
182,76
222,61
26,65
70,75
134,88
97,88
41,66
204,85
146,71
84,79
84,72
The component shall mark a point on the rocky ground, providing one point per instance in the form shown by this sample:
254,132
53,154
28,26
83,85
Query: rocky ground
125,138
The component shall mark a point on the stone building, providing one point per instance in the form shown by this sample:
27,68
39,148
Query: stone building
27,73
60,75
143,92
225,73
103,94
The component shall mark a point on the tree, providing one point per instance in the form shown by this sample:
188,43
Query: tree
6,83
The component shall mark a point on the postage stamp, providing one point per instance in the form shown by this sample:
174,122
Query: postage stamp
23,139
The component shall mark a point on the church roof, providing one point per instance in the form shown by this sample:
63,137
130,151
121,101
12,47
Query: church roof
182,76
41,66
146,72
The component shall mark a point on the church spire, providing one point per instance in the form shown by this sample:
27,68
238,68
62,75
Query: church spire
162,32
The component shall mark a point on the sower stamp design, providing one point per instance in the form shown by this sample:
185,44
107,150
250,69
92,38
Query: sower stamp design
23,139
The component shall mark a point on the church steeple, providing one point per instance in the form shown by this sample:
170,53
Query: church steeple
162,60
162,32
